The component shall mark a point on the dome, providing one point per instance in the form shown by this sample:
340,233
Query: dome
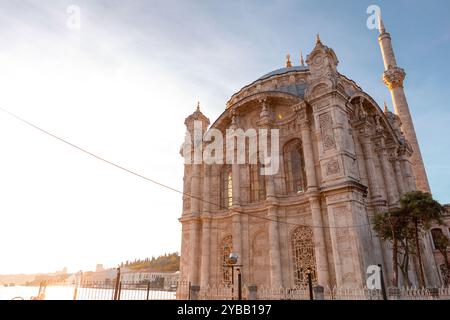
283,71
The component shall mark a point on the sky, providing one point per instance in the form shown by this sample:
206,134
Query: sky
121,82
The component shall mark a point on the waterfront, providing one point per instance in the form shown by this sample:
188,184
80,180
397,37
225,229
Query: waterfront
67,293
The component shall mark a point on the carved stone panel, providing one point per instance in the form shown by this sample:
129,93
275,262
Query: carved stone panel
332,167
326,130
303,255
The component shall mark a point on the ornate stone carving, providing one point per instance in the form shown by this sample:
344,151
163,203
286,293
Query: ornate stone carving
378,126
326,129
393,77
303,255
226,247
332,167
265,115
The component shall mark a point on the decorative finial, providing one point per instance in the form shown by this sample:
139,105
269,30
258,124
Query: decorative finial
318,39
198,106
302,61
288,61
381,27
386,110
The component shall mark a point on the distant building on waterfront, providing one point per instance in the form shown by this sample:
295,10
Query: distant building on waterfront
167,278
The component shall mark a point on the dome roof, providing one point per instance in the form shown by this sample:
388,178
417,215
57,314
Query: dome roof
283,71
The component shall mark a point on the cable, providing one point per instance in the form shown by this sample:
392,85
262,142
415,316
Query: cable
162,184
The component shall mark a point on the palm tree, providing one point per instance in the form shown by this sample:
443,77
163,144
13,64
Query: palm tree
422,211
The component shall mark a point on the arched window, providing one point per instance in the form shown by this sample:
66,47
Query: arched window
226,247
226,188
257,183
436,233
294,167
303,256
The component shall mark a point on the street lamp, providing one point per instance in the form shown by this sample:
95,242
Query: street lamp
231,263
309,273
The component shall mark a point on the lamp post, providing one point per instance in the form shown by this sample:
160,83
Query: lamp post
308,272
238,270
231,263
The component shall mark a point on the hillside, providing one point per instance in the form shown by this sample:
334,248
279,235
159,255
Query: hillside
165,263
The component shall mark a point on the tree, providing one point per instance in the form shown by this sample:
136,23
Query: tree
402,228
394,227
422,210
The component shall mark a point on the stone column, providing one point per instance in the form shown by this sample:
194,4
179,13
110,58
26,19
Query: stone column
398,175
206,253
206,230
308,156
319,242
407,173
195,189
236,181
377,203
237,236
392,193
276,280
206,189
370,167
237,232
193,251
316,214
194,225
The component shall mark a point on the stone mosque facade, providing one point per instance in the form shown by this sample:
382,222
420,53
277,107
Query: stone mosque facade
342,159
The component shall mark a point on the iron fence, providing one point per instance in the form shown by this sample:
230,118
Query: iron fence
125,290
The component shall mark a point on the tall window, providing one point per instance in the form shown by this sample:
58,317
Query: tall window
225,249
294,167
226,189
436,233
257,183
303,256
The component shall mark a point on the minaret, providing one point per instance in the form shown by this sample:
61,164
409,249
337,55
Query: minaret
393,77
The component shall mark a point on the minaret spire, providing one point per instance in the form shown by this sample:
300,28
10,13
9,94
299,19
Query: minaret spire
393,77
381,27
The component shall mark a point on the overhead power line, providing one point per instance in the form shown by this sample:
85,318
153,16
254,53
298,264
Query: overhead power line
160,183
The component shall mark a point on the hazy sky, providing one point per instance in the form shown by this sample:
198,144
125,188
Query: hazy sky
123,83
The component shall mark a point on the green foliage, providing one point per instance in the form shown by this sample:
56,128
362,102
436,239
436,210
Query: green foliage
386,223
165,263
422,208
442,242
402,226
